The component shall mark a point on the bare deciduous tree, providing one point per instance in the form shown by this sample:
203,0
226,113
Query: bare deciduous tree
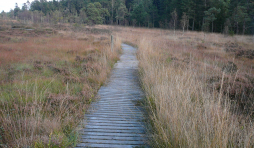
112,2
184,21
174,18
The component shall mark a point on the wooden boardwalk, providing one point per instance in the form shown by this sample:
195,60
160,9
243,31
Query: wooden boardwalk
114,120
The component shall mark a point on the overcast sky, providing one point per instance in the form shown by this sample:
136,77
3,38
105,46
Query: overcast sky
6,5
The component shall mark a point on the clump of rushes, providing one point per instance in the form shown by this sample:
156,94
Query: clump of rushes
46,85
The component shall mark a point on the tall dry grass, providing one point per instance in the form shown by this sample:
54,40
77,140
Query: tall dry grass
187,108
185,112
47,83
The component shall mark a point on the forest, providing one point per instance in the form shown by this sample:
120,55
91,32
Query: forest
222,16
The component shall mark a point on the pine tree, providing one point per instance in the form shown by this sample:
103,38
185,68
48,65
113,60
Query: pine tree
121,12
211,15
93,14
139,14
16,10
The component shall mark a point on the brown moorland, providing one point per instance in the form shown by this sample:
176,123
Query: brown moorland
199,86
48,78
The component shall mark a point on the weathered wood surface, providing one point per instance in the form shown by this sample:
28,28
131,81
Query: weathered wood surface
114,120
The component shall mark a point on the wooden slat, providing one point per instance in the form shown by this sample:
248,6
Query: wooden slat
114,127
113,137
121,142
112,131
113,119
113,134
119,113
121,124
115,122
104,145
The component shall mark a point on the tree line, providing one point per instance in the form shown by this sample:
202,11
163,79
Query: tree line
224,16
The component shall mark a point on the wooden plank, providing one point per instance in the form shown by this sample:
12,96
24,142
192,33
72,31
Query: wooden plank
113,119
114,127
119,113
122,142
115,106
130,116
112,137
134,109
115,112
127,109
120,93
114,116
112,131
115,97
109,110
87,145
133,116
113,134
97,114
115,122
128,104
117,101
114,87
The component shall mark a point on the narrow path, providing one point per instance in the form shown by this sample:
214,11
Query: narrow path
115,120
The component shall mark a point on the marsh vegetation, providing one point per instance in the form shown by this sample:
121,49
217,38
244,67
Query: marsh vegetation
199,90
48,78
